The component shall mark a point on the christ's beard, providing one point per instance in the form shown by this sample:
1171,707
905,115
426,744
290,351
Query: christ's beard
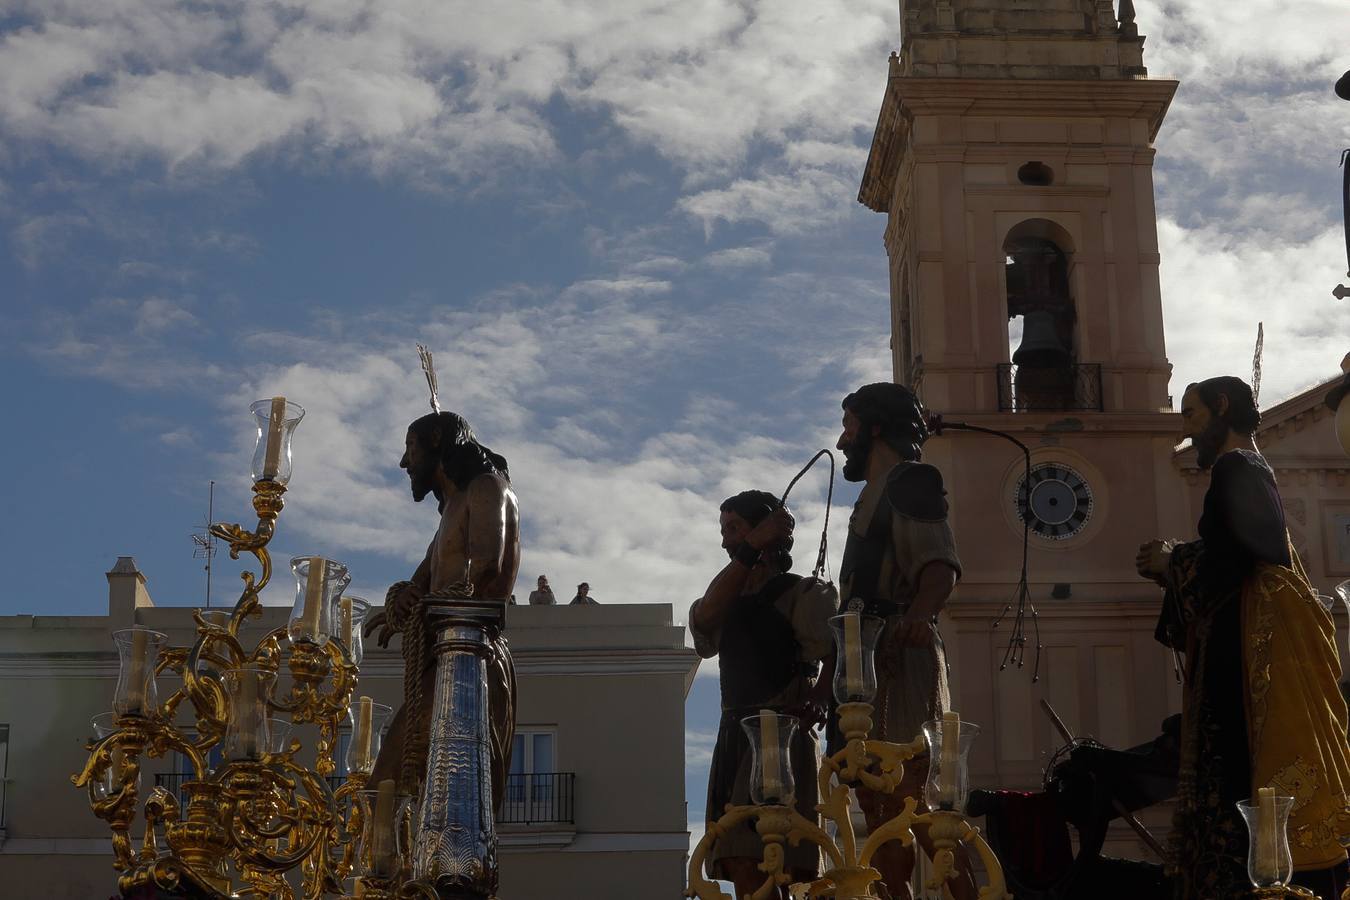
421,483
1209,442
855,457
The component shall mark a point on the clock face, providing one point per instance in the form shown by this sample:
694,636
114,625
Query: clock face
1060,501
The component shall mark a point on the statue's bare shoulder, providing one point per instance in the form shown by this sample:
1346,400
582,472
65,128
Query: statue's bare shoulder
491,487
494,533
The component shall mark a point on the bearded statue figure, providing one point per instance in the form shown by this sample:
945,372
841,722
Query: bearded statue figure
448,741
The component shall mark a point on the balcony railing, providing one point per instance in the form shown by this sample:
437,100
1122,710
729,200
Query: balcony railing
539,798
1071,388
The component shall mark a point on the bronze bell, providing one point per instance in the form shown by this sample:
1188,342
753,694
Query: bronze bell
1040,347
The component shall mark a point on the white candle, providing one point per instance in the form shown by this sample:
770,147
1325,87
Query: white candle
136,671
345,616
364,721
853,666
768,756
383,851
951,754
314,591
1266,850
275,422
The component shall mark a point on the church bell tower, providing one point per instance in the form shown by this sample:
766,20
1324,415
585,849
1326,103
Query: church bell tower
1013,159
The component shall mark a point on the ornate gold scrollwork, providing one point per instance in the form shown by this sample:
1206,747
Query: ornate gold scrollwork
879,766
249,822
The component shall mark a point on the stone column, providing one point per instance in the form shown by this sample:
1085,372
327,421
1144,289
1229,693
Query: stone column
455,847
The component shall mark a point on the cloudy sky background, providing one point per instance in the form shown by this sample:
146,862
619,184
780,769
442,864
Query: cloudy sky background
627,229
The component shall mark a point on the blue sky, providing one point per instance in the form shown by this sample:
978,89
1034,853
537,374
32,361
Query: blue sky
627,230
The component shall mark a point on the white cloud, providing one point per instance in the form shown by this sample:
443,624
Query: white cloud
848,157
698,748
614,490
412,83
740,257
664,264
157,315
1246,42
432,91
788,202
1254,115
638,285
182,438
132,342
41,238
1217,286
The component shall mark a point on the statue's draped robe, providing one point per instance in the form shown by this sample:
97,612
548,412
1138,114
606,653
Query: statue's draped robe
1261,706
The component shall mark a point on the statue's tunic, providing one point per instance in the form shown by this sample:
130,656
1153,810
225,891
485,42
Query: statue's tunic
768,648
899,526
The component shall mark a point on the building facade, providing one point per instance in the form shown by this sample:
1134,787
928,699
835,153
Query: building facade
596,792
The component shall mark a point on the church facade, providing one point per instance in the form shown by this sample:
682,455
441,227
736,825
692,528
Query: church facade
1013,161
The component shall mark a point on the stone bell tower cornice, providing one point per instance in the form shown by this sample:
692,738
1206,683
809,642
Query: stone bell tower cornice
908,96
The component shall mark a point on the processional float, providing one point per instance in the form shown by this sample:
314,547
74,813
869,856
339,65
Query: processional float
261,816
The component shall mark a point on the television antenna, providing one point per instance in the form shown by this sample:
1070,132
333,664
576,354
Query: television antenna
204,542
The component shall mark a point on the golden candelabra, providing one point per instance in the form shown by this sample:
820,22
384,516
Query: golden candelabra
260,820
877,766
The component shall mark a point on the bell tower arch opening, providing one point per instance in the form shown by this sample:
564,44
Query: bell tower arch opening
1042,320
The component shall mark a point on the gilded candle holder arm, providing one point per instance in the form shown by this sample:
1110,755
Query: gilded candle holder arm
268,503
879,766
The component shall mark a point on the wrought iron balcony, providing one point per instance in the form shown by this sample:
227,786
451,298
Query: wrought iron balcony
1070,388
539,798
